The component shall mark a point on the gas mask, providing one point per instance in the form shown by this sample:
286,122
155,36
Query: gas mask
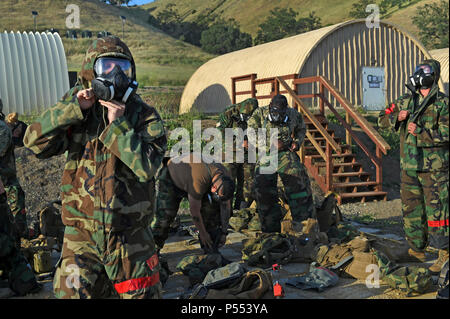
113,81
423,77
242,118
278,114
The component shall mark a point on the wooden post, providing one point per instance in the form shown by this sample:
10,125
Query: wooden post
233,91
348,137
252,85
322,96
379,168
329,167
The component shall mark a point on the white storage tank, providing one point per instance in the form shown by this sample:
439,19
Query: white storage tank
33,71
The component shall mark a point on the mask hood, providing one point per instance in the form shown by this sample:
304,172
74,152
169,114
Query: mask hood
110,46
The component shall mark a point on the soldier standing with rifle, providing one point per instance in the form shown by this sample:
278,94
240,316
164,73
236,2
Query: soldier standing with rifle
421,118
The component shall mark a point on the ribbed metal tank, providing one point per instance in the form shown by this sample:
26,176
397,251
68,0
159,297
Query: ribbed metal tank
338,52
33,71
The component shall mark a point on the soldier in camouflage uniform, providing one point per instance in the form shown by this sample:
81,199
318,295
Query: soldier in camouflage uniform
297,188
20,276
14,192
207,186
421,118
236,116
113,151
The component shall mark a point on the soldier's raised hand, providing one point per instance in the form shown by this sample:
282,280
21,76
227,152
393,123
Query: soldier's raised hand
86,98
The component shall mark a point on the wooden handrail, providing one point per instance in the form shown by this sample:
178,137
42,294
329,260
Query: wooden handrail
364,148
310,116
362,122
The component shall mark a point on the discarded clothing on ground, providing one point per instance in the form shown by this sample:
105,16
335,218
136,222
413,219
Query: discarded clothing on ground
318,278
267,249
409,279
245,219
254,284
196,267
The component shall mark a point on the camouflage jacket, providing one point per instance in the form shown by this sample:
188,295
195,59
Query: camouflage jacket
293,131
428,151
106,176
230,118
7,158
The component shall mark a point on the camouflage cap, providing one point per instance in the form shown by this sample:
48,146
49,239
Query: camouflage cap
110,46
248,106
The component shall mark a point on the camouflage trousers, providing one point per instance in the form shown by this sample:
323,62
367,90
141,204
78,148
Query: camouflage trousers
12,262
16,202
168,199
100,264
243,176
297,189
424,198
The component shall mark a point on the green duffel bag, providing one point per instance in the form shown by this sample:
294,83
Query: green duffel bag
267,249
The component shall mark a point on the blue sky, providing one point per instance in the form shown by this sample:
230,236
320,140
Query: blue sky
140,2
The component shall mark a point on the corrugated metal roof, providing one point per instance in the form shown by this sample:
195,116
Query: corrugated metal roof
442,56
209,88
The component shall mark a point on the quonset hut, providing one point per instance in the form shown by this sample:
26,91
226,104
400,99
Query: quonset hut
441,55
370,66
33,71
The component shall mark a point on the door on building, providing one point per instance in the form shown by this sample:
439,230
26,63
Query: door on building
374,97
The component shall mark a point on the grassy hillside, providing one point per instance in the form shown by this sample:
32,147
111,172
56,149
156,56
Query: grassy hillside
403,18
251,13
161,59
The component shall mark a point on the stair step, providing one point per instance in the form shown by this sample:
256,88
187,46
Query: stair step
362,194
323,164
317,131
354,184
322,139
323,147
334,155
351,174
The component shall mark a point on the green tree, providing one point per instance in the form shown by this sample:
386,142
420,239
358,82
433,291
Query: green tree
359,9
280,24
223,37
309,23
432,21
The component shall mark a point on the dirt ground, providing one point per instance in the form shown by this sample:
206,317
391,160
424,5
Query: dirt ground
40,180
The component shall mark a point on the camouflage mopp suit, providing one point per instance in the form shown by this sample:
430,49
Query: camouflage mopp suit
106,188
291,171
236,116
15,193
424,165
12,262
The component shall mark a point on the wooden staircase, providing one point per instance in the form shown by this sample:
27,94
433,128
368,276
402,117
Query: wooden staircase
327,157
349,180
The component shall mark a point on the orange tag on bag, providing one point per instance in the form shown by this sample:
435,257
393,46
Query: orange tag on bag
278,290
